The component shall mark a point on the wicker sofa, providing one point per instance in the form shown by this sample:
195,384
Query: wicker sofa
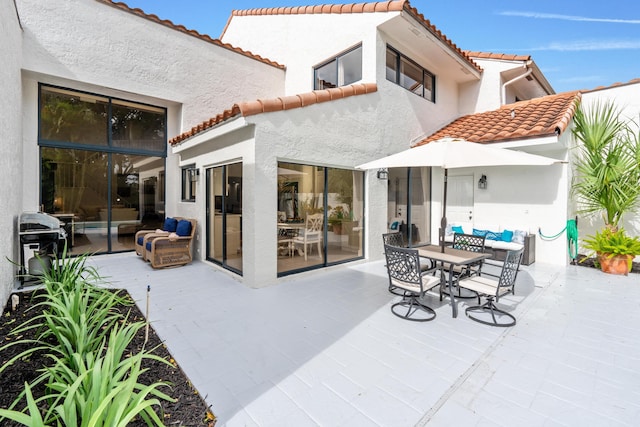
167,248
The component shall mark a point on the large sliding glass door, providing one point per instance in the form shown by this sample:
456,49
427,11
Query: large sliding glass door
224,216
320,216
102,167
345,212
409,196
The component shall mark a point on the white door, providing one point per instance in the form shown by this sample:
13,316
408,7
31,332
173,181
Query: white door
460,198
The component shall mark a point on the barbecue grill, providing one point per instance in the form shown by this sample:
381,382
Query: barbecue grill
40,237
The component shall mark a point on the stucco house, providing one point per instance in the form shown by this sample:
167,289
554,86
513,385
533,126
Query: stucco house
116,119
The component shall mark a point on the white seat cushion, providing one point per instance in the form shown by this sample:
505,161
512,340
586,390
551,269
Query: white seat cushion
428,282
508,246
482,285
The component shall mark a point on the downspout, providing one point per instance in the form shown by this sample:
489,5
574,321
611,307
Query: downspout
503,94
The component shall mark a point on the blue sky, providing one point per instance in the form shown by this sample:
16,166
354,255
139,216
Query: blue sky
577,44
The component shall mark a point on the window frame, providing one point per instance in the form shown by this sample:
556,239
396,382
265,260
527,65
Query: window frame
188,179
427,76
109,145
105,148
337,61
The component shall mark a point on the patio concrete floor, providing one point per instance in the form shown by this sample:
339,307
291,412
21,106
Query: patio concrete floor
323,349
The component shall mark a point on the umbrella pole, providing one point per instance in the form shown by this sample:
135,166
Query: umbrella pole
443,221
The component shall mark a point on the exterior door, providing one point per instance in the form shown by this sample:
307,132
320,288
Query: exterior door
460,199
224,216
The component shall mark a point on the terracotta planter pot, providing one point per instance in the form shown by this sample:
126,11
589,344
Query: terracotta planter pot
618,264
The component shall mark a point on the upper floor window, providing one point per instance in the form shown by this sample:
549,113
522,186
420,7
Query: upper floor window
78,118
342,70
408,74
189,179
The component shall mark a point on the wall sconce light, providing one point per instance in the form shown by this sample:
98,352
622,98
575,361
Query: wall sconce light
383,174
482,182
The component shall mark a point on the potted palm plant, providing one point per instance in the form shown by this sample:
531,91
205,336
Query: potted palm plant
607,178
615,250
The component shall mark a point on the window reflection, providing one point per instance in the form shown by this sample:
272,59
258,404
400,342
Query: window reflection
77,187
408,74
302,191
409,194
137,126
109,187
224,223
68,116
343,70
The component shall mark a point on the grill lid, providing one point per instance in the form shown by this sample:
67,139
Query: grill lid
38,221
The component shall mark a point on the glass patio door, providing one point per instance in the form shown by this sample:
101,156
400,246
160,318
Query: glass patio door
409,197
224,216
320,218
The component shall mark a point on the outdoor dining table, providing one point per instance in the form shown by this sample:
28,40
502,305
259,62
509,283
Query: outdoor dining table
452,257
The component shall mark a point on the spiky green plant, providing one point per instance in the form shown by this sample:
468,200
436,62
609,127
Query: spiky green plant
103,389
607,163
91,381
30,417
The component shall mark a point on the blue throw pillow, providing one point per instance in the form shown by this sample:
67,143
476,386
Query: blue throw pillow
457,229
480,233
149,246
140,240
493,235
170,225
183,228
507,235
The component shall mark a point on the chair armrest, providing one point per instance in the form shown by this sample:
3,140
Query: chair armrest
432,270
154,235
144,233
167,238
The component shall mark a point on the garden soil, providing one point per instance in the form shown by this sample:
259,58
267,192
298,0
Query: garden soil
189,409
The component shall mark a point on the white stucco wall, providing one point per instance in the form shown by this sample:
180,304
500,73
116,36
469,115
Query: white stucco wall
627,98
418,116
307,40
10,144
341,133
485,95
518,197
72,43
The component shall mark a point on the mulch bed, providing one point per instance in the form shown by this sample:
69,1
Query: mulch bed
188,410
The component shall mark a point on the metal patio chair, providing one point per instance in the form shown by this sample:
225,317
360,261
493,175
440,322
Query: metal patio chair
403,268
493,290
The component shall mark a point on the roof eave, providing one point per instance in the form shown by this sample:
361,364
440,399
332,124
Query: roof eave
215,131
460,55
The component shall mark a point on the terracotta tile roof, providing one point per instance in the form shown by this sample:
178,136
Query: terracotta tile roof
380,6
537,117
617,84
194,33
491,55
278,104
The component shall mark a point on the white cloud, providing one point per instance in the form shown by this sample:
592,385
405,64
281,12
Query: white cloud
537,15
587,45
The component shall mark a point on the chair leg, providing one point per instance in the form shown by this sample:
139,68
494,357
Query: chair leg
412,307
492,309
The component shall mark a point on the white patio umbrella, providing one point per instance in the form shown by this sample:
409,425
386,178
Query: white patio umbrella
449,153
